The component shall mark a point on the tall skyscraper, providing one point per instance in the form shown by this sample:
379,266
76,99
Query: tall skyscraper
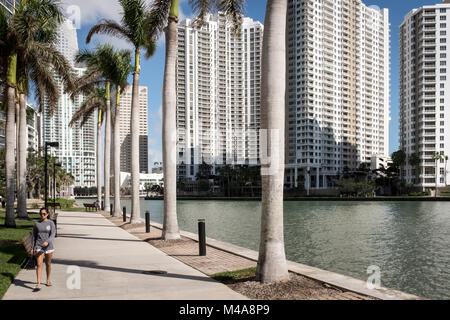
218,94
425,93
77,145
337,107
125,130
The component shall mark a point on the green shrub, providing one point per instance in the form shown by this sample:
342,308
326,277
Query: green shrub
419,194
65,203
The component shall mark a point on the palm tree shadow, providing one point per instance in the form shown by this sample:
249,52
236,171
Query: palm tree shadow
94,265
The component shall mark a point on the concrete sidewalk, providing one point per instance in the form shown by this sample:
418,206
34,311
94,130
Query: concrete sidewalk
112,263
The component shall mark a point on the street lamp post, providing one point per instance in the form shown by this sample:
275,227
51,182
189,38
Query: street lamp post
47,144
54,182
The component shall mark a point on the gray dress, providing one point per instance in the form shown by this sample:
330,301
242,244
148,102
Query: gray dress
44,231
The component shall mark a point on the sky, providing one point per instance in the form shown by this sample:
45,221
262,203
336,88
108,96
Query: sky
152,70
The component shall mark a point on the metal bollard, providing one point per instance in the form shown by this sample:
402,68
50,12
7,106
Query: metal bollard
147,221
103,206
111,209
124,214
202,237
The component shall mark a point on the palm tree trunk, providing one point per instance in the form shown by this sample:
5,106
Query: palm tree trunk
10,143
10,158
272,265
107,159
17,138
135,170
22,159
170,226
99,157
437,177
117,210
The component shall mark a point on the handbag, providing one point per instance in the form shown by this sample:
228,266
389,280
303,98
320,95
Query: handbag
29,244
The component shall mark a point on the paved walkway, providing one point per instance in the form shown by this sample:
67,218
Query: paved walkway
112,263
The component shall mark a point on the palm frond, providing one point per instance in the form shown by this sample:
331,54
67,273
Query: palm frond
86,117
133,18
46,88
83,84
94,101
150,49
201,8
157,18
233,9
110,28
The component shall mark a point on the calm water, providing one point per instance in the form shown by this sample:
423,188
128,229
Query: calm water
409,241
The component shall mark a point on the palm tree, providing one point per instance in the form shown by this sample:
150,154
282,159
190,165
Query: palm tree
107,67
135,20
437,157
445,174
95,101
27,54
99,69
272,265
8,69
414,161
123,66
164,17
36,23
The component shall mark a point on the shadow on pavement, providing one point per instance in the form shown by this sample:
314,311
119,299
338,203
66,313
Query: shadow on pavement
94,265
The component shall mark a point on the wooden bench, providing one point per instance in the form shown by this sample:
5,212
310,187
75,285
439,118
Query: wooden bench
89,206
54,205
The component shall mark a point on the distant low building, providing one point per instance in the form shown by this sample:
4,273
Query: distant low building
380,161
152,178
158,170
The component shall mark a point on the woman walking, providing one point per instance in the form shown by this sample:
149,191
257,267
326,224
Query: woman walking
44,233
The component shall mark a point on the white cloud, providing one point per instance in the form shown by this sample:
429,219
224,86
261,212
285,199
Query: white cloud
94,10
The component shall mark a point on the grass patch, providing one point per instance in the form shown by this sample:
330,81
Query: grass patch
11,261
12,256
74,209
230,276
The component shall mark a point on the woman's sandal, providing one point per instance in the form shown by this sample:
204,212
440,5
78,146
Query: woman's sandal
37,288
49,284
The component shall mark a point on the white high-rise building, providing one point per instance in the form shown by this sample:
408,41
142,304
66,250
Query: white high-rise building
218,94
125,129
425,93
338,78
77,146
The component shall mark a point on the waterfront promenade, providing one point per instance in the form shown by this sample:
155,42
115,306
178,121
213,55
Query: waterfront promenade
111,265
120,261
